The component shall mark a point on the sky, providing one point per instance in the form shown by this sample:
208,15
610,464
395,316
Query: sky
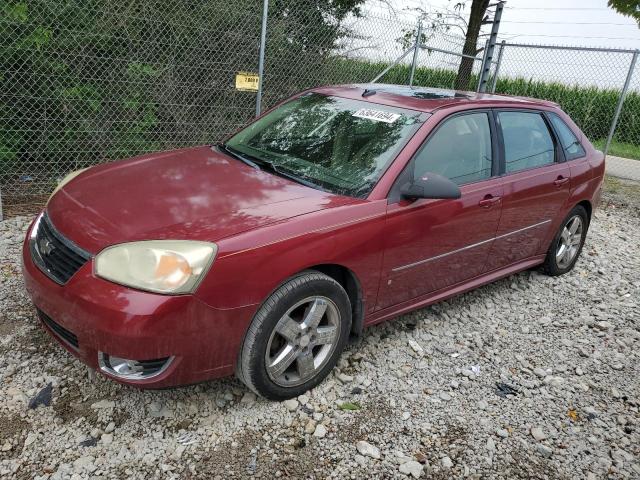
566,22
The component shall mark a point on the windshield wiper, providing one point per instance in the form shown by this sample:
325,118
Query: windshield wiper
261,164
283,173
237,155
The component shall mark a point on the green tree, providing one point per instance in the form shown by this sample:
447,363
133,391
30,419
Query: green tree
630,8
83,81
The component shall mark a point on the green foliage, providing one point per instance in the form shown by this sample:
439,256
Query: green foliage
83,81
630,8
349,406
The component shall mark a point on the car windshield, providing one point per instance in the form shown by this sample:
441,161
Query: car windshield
336,144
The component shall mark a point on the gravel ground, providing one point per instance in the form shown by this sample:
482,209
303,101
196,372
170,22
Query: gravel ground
530,377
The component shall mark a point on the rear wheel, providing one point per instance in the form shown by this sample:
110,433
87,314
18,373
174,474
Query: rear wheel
568,242
296,337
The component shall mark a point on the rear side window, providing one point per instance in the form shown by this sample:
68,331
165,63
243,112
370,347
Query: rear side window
570,143
527,141
460,150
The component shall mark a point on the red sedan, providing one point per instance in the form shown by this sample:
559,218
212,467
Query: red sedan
338,209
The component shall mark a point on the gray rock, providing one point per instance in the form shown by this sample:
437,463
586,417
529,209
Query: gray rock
103,404
544,450
310,427
368,450
491,445
320,431
412,468
603,325
538,434
291,405
248,397
444,396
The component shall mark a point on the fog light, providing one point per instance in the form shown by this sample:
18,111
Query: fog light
132,369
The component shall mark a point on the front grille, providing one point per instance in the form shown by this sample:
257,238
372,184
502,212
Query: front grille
57,257
61,332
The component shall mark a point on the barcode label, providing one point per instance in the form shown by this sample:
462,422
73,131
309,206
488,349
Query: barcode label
377,115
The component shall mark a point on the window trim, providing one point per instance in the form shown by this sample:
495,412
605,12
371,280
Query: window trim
558,156
562,148
394,191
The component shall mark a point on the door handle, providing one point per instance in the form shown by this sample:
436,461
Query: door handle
489,201
558,182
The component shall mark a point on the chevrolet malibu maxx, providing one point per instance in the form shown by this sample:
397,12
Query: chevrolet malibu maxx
340,208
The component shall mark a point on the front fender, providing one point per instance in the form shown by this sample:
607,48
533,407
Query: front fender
251,265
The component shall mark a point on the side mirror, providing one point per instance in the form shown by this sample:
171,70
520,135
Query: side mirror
430,185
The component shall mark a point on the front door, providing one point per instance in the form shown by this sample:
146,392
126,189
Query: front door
432,244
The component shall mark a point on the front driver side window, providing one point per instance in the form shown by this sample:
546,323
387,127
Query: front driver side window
460,150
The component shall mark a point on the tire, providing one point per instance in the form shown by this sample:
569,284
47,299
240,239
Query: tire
567,243
285,350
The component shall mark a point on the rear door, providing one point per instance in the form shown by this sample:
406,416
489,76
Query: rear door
432,244
536,185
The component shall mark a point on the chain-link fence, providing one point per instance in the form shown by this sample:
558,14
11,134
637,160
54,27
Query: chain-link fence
354,51
98,80
85,82
598,87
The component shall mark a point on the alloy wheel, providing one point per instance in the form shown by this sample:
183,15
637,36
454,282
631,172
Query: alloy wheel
569,243
302,341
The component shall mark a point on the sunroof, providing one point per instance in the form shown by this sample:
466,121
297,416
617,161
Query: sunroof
417,92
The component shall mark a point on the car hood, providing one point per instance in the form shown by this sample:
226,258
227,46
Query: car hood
196,194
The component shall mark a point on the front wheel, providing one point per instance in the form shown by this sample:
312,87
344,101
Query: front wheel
296,337
568,242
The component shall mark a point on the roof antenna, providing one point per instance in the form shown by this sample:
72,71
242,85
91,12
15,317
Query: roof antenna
368,93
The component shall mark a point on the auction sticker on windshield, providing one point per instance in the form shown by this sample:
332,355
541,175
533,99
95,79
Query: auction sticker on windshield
377,115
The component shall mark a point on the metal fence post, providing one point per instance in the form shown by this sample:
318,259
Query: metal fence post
1,216
497,71
416,50
482,64
263,46
396,62
623,95
493,38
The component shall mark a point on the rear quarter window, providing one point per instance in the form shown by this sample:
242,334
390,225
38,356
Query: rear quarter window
570,143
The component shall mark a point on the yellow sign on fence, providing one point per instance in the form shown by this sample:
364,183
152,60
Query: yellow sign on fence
247,82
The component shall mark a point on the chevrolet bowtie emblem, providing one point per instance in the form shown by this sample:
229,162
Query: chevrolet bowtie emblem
45,246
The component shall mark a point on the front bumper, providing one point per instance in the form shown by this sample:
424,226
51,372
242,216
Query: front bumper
122,322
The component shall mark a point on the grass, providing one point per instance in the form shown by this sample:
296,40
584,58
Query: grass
619,149
621,193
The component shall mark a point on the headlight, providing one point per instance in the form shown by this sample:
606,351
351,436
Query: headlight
66,180
162,266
